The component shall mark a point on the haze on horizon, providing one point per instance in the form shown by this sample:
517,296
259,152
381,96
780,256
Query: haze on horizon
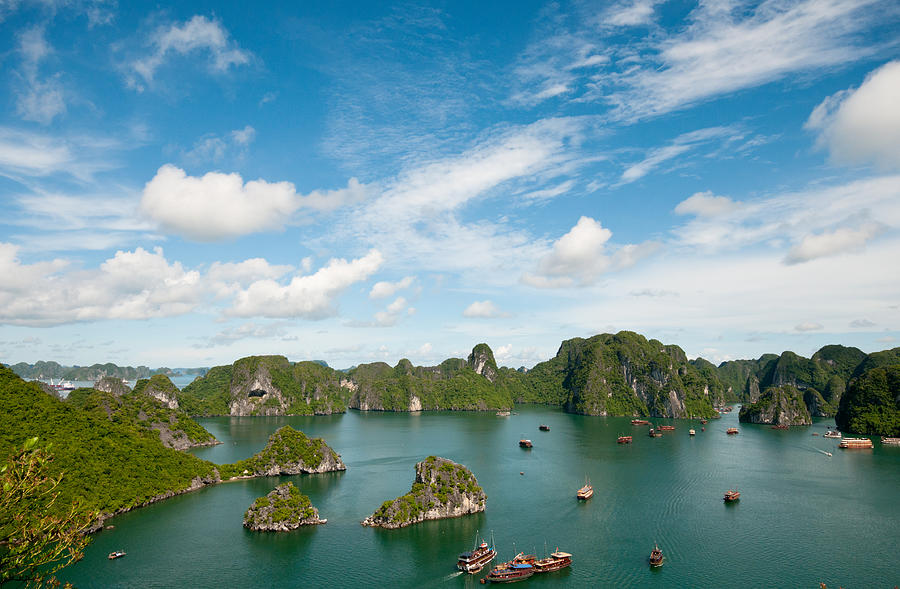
190,184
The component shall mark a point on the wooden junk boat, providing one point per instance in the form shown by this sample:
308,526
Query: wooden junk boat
475,560
585,492
557,560
890,441
116,554
639,422
518,569
656,557
732,431
732,496
856,443
832,434
525,443
544,428
624,439
654,433
666,428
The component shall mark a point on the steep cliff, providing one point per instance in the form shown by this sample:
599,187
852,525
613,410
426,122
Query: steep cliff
160,388
111,384
288,452
782,405
284,508
871,405
454,384
442,489
622,374
267,385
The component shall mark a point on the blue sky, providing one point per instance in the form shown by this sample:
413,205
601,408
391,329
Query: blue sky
353,182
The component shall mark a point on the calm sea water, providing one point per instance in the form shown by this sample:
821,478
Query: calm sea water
803,517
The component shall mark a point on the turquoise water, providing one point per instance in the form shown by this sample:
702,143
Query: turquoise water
803,517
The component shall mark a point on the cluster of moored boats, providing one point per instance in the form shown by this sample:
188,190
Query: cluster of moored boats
519,568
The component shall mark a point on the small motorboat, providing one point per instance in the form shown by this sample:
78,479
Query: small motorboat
525,443
691,432
544,428
116,554
585,492
656,557
624,440
732,431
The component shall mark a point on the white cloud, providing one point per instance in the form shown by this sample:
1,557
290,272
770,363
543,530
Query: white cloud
841,240
551,192
227,278
384,289
638,12
310,296
483,309
808,326
418,220
329,200
580,256
196,35
819,222
212,148
26,155
681,144
862,126
729,48
861,324
251,330
244,136
216,206
705,204
39,100
130,285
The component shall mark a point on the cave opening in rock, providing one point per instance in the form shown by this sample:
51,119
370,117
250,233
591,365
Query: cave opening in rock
257,393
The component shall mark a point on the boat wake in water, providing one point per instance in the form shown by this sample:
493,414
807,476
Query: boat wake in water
451,576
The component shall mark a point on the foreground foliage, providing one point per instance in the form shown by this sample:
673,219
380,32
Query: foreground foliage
38,536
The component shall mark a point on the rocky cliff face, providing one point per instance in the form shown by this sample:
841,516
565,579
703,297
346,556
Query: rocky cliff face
777,406
290,452
454,384
268,385
871,405
626,374
481,360
285,508
160,388
442,489
112,385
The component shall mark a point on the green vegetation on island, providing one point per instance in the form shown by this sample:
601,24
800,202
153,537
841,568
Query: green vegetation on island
871,405
454,384
109,464
288,451
284,508
266,385
442,489
782,405
146,414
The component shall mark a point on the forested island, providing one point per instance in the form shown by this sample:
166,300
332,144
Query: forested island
441,489
622,374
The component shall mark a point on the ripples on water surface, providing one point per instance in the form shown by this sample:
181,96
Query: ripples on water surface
803,517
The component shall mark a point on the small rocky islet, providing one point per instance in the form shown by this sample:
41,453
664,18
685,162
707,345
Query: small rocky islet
283,509
442,489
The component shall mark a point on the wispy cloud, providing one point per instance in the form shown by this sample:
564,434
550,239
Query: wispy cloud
197,35
820,222
40,99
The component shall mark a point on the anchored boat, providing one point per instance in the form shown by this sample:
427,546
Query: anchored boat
557,560
624,439
856,443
